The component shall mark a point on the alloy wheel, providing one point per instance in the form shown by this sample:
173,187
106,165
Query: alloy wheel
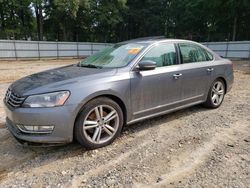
217,93
101,124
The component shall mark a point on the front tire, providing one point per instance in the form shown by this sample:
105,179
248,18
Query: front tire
99,123
216,94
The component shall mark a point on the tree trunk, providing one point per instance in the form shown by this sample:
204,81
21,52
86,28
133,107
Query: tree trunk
63,28
235,28
39,21
2,19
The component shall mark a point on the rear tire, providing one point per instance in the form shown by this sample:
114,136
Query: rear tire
99,123
216,94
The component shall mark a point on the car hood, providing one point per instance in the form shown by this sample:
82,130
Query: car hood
48,80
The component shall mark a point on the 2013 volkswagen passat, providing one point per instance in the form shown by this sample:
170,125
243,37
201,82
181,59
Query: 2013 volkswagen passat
131,81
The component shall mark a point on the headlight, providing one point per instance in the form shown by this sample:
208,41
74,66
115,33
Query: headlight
47,100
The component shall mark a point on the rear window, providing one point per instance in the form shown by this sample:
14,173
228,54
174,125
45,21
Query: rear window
210,57
191,53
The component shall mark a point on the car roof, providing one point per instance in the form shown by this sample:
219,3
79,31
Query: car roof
148,41
151,40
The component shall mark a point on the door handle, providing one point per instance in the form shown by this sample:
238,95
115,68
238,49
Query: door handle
177,76
210,69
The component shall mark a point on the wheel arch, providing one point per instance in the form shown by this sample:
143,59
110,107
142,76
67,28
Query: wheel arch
119,101
224,81
113,97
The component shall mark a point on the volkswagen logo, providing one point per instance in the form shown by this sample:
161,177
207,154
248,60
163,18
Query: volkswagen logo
8,94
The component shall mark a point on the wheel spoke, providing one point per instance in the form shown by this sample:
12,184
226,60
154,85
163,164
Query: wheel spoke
87,122
214,98
214,90
107,131
218,86
97,113
217,99
221,92
220,98
109,127
110,116
97,129
99,135
101,111
90,127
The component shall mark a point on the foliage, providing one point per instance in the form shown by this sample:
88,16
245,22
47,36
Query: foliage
16,19
117,20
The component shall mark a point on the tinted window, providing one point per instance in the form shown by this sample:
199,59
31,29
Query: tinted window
162,54
209,56
191,53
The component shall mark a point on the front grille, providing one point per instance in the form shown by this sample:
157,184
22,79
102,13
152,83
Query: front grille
13,99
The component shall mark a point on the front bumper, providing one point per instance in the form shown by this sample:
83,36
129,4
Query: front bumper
62,118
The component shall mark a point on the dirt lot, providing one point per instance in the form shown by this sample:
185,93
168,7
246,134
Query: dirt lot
194,147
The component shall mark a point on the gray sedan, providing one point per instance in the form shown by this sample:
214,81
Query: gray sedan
128,82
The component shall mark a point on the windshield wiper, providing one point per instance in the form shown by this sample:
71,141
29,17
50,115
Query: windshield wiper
89,66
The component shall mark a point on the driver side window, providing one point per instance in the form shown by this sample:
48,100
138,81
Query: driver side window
162,54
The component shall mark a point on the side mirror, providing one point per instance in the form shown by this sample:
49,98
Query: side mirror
147,65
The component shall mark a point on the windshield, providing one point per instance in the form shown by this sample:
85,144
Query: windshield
115,56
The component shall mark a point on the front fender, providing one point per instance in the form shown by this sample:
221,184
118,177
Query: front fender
119,89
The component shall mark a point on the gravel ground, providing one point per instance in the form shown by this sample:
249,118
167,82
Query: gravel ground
194,147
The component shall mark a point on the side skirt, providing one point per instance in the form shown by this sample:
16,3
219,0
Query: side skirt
164,112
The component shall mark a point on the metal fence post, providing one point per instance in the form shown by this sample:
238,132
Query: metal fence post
57,51
249,51
77,50
38,49
91,47
14,43
227,48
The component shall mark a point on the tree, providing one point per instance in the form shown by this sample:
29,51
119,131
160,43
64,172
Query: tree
38,6
62,16
144,18
105,16
16,19
117,20
238,10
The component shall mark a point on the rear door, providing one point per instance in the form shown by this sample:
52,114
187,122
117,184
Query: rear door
197,70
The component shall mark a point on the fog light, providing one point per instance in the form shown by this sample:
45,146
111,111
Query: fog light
45,129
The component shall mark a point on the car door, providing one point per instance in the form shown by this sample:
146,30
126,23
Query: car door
197,70
153,91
